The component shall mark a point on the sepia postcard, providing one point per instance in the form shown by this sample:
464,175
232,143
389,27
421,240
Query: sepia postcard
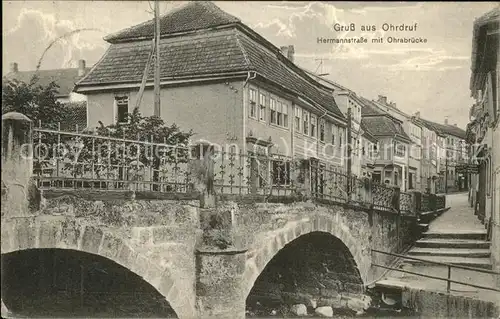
250,159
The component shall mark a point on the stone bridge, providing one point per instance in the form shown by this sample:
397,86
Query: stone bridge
206,256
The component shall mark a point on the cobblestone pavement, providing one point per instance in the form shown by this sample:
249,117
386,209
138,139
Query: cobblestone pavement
460,218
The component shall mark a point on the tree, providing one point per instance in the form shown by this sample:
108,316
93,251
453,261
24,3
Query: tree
37,102
120,151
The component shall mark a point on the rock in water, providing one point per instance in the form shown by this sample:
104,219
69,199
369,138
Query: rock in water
324,311
359,304
299,310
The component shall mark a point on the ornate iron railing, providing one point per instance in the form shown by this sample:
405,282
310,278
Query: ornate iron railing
382,197
405,204
84,160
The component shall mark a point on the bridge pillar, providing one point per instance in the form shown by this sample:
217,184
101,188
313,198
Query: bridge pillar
17,164
219,277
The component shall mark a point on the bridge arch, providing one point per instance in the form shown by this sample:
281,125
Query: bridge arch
265,250
21,234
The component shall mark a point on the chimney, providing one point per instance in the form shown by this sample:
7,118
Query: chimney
417,114
455,125
393,104
13,67
81,67
446,121
382,99
291,53
288,51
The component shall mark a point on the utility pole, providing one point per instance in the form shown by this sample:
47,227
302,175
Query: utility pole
349,152
157,60
446,174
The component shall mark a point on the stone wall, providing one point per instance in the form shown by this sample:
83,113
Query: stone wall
431,304
390,233
154,239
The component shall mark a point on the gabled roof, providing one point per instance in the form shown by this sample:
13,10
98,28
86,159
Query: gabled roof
379,123
383,126
195,15
64,78
444,129
369,109
215,53
366,132
484,26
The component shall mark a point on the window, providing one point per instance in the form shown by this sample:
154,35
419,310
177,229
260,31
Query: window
280,172
272,107
313,126
305,121
340,140
298,116
121,109
262,107
253,102
282,114
333,134
400,150
322,130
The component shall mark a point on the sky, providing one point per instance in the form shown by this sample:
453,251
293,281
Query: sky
431,77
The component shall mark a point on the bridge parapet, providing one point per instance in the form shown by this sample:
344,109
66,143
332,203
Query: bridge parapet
215,222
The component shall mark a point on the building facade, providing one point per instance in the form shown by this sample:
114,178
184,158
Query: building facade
483,131
429,160
243,93
413,130
391,161
362,142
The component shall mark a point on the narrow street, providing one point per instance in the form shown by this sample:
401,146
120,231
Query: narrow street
455,237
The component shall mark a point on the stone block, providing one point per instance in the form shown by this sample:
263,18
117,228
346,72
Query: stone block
141,265
154,274
334,302
70,234
142,235
7,237
353,288
168,234
110,246
330,292
126,256
48,234
299,310
324,311
25,233
360,303
91,240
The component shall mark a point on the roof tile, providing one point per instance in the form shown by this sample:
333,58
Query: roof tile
195,15
64,78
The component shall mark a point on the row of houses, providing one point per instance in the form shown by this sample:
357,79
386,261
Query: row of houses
234,88
483,131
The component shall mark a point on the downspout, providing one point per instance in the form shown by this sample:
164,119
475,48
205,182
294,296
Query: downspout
318,131
245,103
245,115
